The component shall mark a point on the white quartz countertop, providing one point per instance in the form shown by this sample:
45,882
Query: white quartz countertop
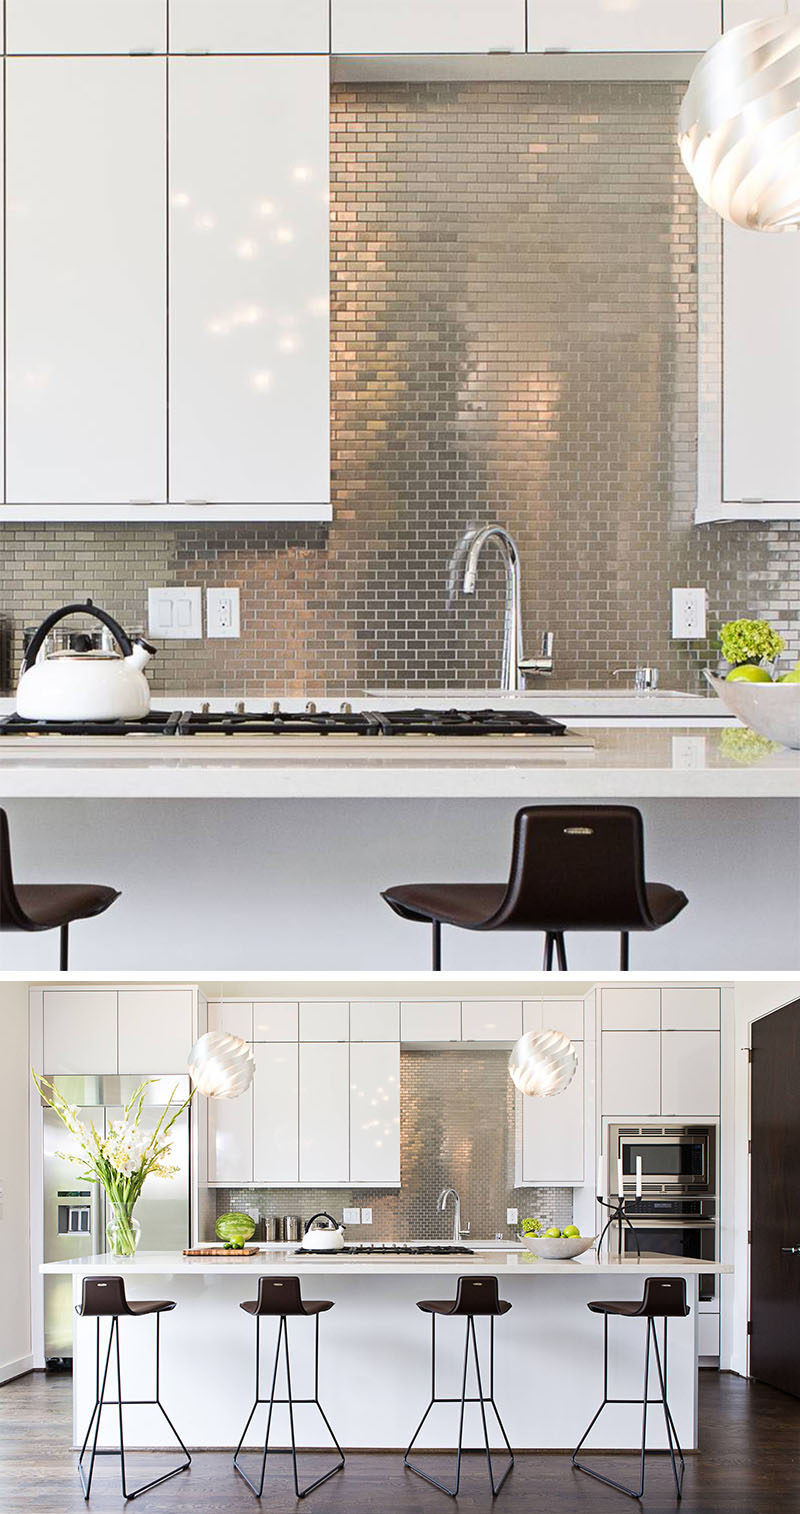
517,1262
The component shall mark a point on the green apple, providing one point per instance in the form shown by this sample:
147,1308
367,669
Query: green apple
748,674
571,1232
553,1234
793,677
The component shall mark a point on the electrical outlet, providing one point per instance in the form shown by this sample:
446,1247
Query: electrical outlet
175,614
689,753
351,1216
222,612
512,1216
366,1216
688,614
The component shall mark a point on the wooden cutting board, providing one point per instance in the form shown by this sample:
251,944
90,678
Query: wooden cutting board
221,1251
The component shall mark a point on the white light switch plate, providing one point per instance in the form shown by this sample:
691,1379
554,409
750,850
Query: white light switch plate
351,1216
175,614
222,612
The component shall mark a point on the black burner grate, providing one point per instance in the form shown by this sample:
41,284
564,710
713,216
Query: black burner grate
368,723
389,1250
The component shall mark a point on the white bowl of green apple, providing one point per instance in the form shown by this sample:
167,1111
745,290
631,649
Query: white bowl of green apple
767,704
555,1245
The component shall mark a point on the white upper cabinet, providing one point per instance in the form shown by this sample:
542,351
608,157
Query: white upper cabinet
427,26
275,1020
565,1015
324,1112
374,1112
275,1128
630,1009
760,368
324,1020
374,1020
690,1008
86,26
735,12
631,1072
690,1073
230,1139
623,26
155,1029
249,237
430,1020
552,1136
85,270
247,26
233,1016
491,1019
79,1030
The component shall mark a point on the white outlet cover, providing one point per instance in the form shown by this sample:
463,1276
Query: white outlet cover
366,1216
175,614
512,1216
222,612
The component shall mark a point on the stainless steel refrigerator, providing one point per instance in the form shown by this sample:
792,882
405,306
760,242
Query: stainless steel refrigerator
75,1210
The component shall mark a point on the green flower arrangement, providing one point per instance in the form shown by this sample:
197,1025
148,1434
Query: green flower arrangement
531,1227
745,746
749,641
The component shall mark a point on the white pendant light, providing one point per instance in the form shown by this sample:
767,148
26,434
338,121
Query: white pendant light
221,1066
739,125
543,1063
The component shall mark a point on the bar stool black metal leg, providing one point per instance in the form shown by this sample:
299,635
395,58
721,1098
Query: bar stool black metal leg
561,951
549,942
119,1402
672,1434
290,1401
436,946
463,1401
64,949
624,952
678,1463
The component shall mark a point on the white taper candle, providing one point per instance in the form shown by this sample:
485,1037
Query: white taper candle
638,1177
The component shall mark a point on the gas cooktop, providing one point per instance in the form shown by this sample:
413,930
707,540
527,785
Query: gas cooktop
379,1249
310,722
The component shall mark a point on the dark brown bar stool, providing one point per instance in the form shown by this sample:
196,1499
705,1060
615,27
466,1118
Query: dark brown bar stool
104,1298
663,1298
280,1297
474,1296
573,867
46,906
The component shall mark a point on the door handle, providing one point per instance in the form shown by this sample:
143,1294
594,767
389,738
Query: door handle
791,1250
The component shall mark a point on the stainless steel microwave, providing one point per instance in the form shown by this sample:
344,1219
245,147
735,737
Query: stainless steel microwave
675,1159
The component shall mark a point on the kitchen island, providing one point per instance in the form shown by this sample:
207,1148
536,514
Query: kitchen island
375,1345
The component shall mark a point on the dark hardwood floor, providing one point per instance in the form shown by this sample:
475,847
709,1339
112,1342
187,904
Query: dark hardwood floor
749,1464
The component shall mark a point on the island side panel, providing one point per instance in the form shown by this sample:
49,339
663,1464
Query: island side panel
375,1362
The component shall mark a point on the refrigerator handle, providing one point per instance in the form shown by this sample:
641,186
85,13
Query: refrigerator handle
98,1220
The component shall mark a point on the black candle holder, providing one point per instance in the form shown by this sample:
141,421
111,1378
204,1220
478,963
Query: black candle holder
618,1215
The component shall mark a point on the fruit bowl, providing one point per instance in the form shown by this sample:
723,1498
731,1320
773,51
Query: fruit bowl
771,709
561,1248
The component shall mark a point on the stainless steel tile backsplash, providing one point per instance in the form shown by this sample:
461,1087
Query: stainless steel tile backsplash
457,1130
514,337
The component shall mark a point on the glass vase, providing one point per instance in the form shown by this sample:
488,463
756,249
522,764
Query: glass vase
122,1231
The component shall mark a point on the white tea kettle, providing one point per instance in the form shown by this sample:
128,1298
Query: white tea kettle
325,1236
77,684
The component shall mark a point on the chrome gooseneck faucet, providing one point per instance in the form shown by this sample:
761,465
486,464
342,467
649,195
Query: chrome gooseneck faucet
514,665
441,1205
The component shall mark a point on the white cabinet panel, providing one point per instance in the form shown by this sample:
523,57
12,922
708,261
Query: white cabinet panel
430,1020
324,1112
275,1020
631,1072
324,1020
86,26
690,1008
565,1015
427,26
233,1016
275,1125
154,1029
374,1020
736,12
690,1072
230,1139
249,272
86,307
631,1008
248,26
491,1019
608,26
374,1112
552,1135
80,1030
761,366
708,1332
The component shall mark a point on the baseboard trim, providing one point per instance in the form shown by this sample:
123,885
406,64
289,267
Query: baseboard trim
19,1368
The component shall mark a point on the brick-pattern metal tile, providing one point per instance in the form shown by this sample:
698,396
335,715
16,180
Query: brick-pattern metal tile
514,337
456,1130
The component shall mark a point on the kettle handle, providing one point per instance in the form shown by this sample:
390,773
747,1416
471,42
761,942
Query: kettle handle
37,641
323,1215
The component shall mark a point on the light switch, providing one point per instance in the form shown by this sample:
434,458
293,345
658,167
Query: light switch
351,1216
175,614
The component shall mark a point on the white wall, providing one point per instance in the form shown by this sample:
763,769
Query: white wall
15,1309
752,1000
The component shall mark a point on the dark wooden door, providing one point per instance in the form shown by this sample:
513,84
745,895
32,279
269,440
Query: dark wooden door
775,1200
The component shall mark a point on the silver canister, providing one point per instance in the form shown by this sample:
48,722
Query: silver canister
272,1228
292,1227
